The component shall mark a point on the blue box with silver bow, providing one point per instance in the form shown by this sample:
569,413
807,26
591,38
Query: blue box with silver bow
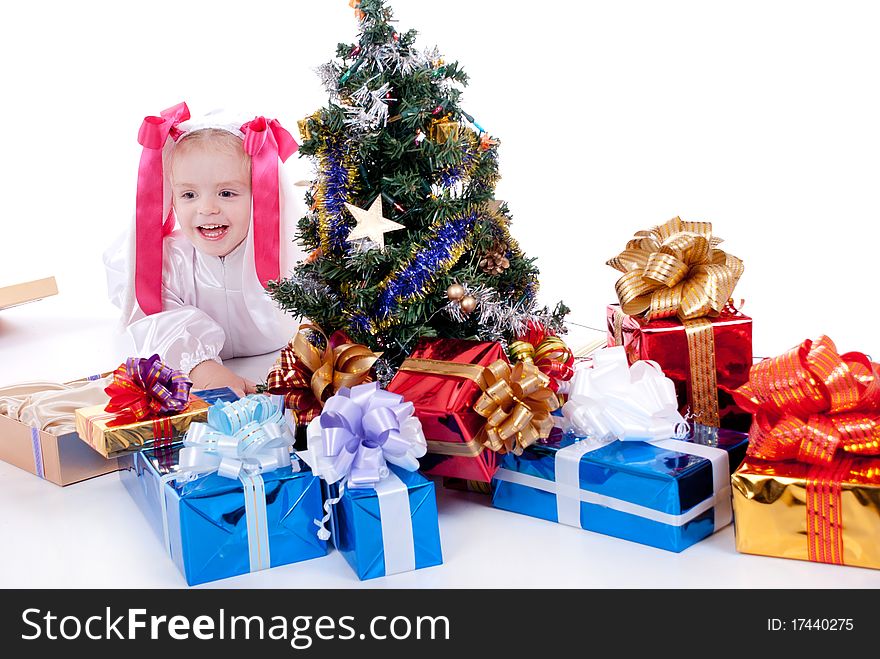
389,528
232,499
382,513
667,492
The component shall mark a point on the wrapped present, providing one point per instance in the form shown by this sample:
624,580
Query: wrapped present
675,309
810,486
383,513
39,434
473,406
308,375
231,499
150,405
628,465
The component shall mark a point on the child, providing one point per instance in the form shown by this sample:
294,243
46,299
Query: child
196,295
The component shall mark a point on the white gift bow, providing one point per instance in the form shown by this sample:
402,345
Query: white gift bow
241,440
614,400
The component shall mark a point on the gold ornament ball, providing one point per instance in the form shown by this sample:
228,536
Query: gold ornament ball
455,292
468,303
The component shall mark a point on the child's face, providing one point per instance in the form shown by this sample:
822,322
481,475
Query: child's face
211,190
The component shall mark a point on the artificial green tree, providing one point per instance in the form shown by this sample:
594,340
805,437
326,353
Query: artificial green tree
442,262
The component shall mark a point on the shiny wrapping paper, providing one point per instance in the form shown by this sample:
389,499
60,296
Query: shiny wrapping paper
206,518
445,406
110,438
635,472
770,505
665,342
357,525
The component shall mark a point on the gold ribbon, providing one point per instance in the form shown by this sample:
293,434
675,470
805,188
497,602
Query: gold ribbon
309,375
676,269
516,403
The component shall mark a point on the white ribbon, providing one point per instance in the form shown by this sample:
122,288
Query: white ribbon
241,440
612,401
359,431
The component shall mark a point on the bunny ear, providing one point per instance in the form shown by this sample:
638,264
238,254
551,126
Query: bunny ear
266,142
150,226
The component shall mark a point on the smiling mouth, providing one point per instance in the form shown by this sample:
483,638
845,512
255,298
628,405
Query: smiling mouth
213,231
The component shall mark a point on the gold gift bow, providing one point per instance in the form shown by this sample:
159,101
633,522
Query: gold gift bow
516,404
346,365
675,269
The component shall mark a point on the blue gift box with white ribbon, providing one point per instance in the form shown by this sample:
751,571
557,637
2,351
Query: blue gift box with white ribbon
628,464
382,513
668,494
389,528
230,501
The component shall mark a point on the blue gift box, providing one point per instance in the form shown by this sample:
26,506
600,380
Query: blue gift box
207,520
359,531
633,490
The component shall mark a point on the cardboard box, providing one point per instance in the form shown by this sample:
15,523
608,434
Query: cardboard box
28,291
61,459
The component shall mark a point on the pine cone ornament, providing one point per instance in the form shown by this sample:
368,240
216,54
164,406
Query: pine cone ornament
494,262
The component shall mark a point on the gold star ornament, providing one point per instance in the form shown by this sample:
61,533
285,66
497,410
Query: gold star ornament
371,224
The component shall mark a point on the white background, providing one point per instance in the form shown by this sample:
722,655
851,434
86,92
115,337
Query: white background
761,117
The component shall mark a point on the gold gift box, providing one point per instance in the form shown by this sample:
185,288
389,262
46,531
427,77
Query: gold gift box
770,511
100,430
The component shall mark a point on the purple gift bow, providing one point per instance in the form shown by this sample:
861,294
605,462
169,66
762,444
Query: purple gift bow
241,440
357,433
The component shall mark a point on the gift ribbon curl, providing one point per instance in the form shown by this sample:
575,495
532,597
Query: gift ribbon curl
308,376
546,351
813,405
675,269
144,388
613,400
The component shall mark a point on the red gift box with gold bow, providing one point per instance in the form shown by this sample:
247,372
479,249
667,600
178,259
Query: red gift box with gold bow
675,310
810,486
473,405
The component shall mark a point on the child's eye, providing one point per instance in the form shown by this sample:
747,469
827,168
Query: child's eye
188,195
227,194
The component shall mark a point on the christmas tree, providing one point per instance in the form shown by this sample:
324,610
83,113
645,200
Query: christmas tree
405,235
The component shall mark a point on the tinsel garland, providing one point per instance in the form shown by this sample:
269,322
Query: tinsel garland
336,180
426,264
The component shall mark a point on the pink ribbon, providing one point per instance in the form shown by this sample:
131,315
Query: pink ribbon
149,227
265,142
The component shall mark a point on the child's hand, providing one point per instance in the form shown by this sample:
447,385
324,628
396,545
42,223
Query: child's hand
211,375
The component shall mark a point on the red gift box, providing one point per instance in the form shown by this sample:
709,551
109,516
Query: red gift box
445,406
665,342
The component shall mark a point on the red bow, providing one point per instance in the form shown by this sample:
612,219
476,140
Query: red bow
265,142
547,351
810,402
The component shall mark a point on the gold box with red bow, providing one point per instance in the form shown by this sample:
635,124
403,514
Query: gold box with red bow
473,405
112,434
810,486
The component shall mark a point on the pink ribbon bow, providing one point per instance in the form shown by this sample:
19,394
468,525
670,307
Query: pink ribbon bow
266,142
149,226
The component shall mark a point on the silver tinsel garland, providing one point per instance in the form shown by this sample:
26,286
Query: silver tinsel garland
498,318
